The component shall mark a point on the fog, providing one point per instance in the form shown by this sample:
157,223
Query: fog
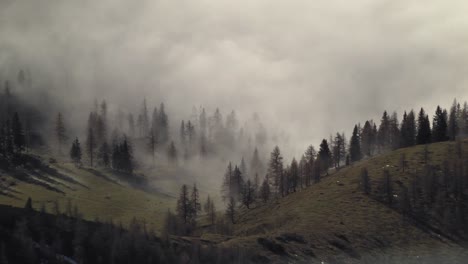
309,68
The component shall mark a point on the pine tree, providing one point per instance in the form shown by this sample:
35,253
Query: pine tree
182,133
256,165
163,125
453,126
207,205
367,139
355,146
103,155
152,145
248,194
309,156
265,190
394,132
275,169
424,128
339,149
439,126
231,210
75,152
384,132
60,131
293,178
325,156
195,204
184,207
226,190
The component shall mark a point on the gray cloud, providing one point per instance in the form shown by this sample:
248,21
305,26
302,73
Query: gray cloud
311,67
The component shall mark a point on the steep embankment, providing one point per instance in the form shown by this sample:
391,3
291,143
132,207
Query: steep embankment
334,221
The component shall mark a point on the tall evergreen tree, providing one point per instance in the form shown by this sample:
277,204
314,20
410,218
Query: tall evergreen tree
163,125
184,206
394,132
424,128
324,155
293,178
195,203
75,151
453,126
384,132
275,169
265,190
355,146
439,126
256,165
367,139
248,194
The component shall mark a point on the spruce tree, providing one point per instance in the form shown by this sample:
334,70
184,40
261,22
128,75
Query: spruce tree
248,194
265,190
325,156
453,122
424,128
355,146
439,126
75,151
275,169
184,207
195,203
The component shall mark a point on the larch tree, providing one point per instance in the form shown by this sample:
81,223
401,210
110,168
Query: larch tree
293,178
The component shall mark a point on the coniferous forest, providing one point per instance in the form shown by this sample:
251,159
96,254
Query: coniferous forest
254,132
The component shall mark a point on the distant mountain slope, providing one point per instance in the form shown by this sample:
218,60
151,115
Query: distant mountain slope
335,222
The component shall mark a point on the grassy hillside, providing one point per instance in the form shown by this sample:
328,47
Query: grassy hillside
334,221
97,193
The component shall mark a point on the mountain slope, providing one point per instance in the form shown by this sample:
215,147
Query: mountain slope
334,221
97,193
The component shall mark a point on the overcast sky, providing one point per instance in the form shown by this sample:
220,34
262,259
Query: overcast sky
315,66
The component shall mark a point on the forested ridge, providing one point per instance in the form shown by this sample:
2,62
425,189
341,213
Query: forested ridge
425,181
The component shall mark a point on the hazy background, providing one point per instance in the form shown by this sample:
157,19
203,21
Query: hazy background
310,67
